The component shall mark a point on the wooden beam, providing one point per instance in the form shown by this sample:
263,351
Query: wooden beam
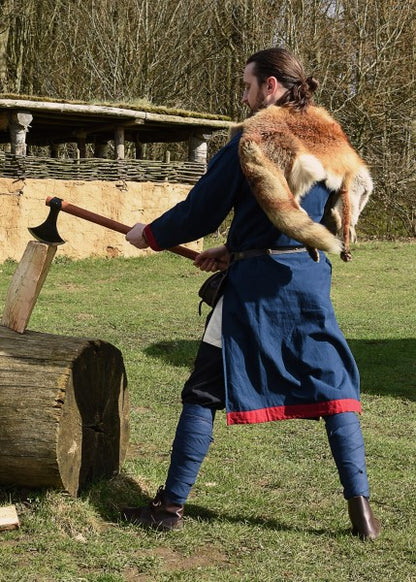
26,285
134,115
69,108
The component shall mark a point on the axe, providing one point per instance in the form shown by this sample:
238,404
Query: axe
47,232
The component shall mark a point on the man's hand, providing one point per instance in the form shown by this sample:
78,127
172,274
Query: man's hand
215,259
135,236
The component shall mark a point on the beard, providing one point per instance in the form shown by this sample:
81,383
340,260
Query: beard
258,104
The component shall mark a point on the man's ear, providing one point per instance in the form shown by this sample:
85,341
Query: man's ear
271,85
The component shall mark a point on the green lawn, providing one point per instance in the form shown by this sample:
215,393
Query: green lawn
268,505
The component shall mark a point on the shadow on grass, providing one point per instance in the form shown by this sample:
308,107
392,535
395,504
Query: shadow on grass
387,367
199,513
179,353
110,497
28,497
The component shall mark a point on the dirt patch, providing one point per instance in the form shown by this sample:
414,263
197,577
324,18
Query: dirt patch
172,561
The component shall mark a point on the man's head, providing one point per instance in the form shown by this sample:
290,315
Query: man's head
275,77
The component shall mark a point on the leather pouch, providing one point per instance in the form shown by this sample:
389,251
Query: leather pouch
212,289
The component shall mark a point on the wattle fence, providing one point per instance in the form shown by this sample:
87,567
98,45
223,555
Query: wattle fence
12,166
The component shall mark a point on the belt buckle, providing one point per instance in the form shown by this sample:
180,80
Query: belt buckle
237,255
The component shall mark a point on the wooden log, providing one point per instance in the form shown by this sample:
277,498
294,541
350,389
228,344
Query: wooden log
26,284
64,410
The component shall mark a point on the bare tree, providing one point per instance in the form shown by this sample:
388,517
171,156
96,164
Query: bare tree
191,54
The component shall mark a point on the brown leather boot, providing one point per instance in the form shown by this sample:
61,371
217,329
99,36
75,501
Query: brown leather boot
159,514
364,524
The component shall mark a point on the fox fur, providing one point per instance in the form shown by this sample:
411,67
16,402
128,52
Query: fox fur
283,153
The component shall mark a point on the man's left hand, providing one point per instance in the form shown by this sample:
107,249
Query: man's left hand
214,259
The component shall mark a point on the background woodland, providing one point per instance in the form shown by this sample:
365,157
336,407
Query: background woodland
191,53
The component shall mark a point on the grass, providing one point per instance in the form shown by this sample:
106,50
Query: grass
267,505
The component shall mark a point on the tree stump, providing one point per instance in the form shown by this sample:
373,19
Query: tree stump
64,410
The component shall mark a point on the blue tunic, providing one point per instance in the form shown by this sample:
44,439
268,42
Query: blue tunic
284,354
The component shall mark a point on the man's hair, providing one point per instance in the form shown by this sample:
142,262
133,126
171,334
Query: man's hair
287,69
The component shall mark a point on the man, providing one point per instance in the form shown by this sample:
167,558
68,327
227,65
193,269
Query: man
272,349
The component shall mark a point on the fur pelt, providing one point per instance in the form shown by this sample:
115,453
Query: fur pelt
283,153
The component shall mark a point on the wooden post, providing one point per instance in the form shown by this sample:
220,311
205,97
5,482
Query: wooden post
81,144
54,149
101,148
4,120
198,149
140,150
19,122
119,143
26,284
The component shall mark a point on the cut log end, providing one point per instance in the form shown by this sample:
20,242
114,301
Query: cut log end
64,410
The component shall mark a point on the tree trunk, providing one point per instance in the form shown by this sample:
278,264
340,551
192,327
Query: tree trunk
5,8
64,410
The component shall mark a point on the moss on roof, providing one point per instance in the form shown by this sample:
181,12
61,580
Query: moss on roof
139,105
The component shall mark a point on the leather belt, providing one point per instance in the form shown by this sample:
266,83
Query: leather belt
259,252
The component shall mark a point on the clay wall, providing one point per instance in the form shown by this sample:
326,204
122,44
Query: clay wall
22,204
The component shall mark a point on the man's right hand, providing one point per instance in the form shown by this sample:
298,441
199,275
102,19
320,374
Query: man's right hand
136,237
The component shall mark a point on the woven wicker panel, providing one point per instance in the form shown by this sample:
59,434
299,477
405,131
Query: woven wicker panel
12,166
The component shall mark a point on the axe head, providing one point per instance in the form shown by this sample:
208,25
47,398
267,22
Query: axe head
47,232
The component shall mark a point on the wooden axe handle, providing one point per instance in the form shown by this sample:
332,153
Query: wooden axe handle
114,225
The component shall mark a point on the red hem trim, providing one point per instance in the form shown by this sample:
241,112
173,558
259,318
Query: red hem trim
294,411
151,241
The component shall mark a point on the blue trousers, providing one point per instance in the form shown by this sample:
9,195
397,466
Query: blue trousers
203,394
194,436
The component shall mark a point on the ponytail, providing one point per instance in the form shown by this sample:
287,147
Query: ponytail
300,94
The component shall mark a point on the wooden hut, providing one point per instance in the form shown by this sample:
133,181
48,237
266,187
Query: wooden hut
95,156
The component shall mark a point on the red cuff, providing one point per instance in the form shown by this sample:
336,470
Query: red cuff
150,239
